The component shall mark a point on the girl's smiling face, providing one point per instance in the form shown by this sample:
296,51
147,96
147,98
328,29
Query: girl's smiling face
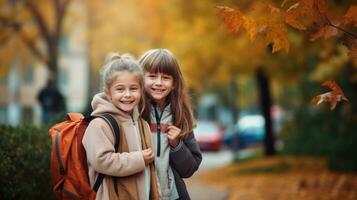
124,91
158,86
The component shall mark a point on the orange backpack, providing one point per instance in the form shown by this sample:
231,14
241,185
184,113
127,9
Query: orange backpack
69,170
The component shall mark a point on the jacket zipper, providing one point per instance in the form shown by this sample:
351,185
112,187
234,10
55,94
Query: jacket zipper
158,121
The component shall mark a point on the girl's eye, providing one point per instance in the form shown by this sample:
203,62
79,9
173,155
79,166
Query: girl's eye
120,89
166,77
152,76
134,89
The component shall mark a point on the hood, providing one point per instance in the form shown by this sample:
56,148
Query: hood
102,105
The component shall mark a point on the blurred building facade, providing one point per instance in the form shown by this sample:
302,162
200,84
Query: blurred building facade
20,87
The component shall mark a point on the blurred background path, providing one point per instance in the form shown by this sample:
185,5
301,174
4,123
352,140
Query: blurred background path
198,189
202,191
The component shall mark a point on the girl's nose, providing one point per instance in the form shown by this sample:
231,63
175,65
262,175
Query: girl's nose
127,93
158,80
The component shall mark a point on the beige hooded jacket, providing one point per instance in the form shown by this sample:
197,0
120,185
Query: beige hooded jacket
128,165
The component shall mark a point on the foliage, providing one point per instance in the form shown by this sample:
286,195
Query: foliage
304,15
31,25
318,132
207,55
25,163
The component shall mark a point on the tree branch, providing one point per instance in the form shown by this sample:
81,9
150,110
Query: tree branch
44,30
339,28
336,27
60,10
31,45
16,28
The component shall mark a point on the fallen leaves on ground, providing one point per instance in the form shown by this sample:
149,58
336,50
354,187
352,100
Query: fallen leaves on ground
281,178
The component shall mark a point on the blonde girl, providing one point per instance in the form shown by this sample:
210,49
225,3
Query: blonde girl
169,113
133,165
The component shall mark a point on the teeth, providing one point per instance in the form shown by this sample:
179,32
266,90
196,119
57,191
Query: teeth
127,102
158,90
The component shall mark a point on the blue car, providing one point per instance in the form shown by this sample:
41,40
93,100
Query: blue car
250,129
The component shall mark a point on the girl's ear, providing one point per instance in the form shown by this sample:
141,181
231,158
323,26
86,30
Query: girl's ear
107,94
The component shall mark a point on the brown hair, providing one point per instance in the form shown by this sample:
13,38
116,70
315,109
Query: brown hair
163,61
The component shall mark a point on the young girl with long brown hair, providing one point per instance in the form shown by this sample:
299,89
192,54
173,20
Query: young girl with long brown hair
169,113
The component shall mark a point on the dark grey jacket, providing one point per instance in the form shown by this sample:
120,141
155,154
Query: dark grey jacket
184,161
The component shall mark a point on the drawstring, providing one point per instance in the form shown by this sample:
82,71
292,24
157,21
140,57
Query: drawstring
158,120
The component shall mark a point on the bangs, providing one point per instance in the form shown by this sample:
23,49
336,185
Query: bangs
161,62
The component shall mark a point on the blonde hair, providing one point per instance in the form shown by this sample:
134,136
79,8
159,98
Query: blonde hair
115,63
163,61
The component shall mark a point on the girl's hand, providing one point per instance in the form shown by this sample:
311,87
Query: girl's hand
173,135
148,156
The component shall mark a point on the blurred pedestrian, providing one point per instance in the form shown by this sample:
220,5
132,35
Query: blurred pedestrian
169,112
51,101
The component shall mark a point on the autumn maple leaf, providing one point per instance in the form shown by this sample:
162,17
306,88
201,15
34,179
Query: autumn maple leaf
333,96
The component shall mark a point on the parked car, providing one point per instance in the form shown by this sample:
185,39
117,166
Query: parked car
209,135
250,130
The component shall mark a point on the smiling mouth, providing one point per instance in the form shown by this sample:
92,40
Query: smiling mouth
127,102
158,90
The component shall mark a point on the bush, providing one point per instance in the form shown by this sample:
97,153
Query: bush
324,134
25,163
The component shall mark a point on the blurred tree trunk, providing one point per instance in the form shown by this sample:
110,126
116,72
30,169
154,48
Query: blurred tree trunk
265,103
49,33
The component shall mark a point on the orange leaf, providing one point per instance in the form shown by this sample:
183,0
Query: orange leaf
232,17
351,16
324,30
332,97
293,7
321,5
291,20
277,35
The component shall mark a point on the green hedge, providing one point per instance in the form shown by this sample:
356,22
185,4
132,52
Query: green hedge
328,134
25,163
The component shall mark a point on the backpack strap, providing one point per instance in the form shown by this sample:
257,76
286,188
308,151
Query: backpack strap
115,127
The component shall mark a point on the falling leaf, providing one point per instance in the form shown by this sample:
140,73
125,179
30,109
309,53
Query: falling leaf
332,97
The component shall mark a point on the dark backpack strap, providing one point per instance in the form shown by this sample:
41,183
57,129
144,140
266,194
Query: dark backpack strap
114,125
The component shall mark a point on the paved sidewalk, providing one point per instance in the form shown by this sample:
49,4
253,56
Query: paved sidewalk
201,191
